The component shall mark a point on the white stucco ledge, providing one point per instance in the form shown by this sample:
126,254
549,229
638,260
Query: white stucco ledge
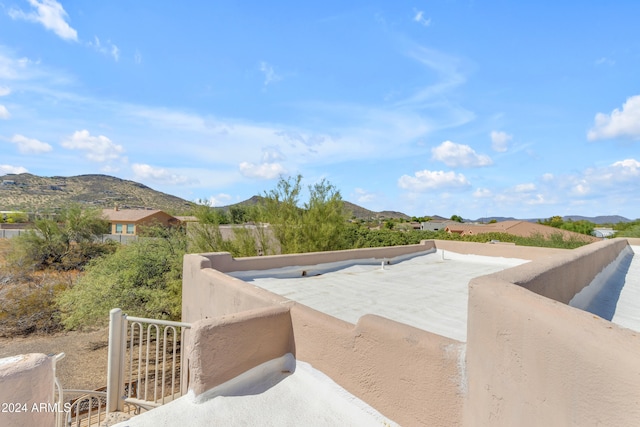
280,392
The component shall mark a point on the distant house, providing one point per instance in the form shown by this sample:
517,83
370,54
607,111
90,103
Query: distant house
128,221
603,233
437,224
516,228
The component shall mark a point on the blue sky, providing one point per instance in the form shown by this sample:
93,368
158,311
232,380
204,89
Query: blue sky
493,108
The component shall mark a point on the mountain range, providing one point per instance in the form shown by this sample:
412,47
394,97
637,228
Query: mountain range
32,193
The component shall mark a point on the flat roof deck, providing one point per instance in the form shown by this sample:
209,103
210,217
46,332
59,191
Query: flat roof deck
428,291
281,392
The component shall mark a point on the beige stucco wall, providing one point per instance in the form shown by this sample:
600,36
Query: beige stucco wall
27,380
411,376
223,348
562,276
532,360
225,262
208,293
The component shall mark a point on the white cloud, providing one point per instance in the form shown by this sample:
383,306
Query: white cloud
270,75
547,177
262,171
4,113
420,19
623,123
622,175
143,171
525,188
221,199
432,180
12,68
137,57
605,61
582,188
449,70
97,148
627,168
363,196
106,49
500,141
272,155
29,145
482,193
12,169
51,15
511,197
459,155
115,52
4,91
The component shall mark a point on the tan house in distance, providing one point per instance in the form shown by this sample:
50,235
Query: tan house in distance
128,221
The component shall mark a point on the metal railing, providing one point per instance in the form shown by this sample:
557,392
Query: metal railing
144,361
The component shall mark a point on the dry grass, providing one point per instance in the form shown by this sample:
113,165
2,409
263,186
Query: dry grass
85,364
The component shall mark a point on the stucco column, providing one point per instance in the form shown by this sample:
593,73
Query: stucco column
27,391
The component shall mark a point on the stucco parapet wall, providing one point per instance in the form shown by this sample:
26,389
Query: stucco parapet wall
224,262
411,376
498,250
533,361
209,293
222,348
634,241
562,276
27,380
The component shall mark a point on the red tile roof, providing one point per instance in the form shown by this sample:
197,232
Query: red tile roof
516,228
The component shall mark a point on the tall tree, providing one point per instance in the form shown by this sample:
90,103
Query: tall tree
317,225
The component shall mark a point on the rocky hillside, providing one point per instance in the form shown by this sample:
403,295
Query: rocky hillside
31,193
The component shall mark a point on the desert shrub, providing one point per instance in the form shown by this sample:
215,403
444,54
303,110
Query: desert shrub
67,243
143,278
629,229
28,308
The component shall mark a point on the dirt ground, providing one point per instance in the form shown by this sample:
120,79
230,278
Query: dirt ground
85,363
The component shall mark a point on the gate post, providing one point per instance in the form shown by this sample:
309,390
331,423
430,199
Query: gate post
115,363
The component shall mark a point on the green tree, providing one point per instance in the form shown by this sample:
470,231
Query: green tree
144,278
318,225
206,235
456,218
238,214
555,221
581,226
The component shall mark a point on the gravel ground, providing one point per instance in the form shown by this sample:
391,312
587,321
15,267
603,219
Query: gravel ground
85,363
